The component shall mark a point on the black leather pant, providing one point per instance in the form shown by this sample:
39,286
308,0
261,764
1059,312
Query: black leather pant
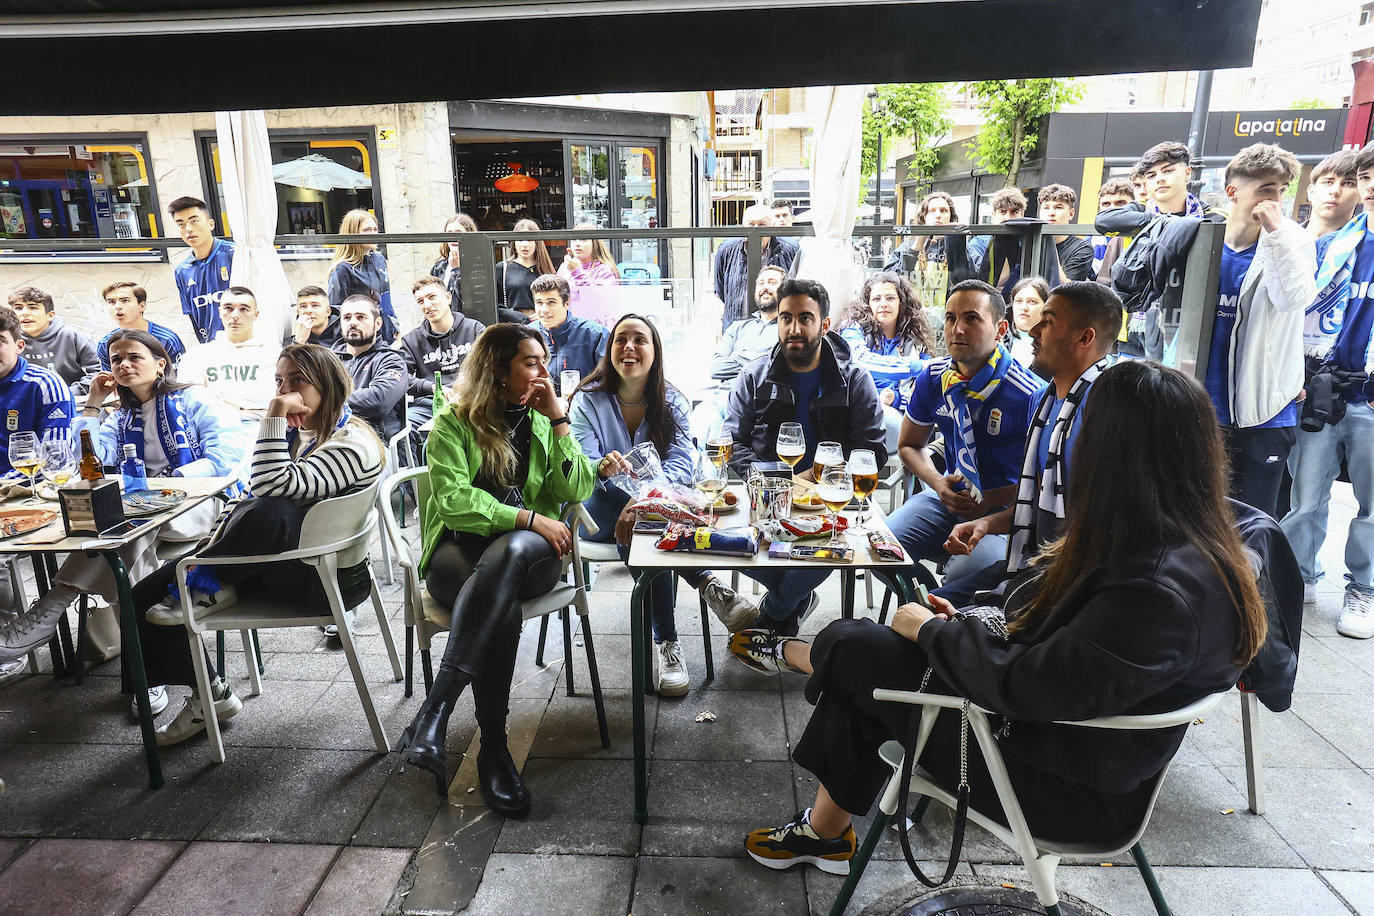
485,579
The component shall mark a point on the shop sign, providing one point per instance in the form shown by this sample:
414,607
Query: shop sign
386,137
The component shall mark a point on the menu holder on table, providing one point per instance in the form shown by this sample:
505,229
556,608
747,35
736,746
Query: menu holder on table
91,506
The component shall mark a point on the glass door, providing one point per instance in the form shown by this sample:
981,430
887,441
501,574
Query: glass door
591,187
637,200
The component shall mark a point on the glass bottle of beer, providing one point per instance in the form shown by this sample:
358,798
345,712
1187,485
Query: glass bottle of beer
91,468
439,399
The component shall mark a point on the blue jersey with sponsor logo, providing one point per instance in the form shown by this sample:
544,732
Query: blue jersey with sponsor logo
35,400
999,425
165,336
201,284
1351,348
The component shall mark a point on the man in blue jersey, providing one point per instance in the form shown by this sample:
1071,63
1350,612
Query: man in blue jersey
35,400
1254,364
982,401
1338,413
1077,329
127,301
204,276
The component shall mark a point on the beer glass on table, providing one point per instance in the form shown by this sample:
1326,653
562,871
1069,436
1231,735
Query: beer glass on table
863,466
835,488
791,446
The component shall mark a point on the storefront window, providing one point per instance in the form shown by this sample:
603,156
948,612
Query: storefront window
317,180
638,176
591,202
77,189
494,183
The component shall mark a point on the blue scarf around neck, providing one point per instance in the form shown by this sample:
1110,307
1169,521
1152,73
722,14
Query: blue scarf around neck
958,393
172,431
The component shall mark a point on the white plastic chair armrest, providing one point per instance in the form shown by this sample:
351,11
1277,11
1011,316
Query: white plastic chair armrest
1160,720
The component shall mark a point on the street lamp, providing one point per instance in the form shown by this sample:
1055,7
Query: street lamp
876,106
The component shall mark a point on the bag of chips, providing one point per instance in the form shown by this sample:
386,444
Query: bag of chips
734,542
659,509
800,527
884,547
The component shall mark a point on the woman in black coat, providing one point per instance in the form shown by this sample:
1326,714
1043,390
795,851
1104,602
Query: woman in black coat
1145,604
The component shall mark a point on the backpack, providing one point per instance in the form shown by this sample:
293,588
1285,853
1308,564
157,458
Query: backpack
1133,274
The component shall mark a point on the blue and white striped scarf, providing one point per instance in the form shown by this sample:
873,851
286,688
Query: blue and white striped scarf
958,393
1326,313
179,442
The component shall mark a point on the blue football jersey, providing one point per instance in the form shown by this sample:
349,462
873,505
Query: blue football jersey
202,285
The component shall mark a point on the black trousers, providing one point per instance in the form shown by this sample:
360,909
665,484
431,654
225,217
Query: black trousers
1258,460
484,579
258,526
840,743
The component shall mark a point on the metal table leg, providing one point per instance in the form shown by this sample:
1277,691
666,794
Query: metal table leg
133,652
638,676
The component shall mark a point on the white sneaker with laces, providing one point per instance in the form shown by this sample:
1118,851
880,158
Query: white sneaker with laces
734,610
23,631
168,612
10,671
191,721
157,701
671,676
1357,615
1309,593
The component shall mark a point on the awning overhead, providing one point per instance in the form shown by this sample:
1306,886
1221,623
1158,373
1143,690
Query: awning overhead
273,54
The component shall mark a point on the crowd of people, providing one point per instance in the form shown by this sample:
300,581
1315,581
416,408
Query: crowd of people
1062,477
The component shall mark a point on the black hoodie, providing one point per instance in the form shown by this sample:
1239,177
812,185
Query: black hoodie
328,338
426,352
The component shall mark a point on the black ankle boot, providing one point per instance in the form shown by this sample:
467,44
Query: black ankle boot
501,783
422,743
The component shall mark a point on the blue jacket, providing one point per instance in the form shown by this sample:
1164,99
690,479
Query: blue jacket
219,440
368,277
165,336
577,343
201,285
34,400
600,429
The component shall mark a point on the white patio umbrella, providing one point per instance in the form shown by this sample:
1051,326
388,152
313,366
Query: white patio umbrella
828,256
318,173
250,203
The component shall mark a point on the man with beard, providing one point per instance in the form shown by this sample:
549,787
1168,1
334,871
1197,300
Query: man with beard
1076,331
982,401
808,378
379,373
743,342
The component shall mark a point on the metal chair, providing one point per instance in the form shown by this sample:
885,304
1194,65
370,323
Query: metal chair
425,617
336,533
1040,856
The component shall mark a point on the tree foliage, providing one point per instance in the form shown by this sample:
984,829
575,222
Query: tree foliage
1013,109
917,111
1310,103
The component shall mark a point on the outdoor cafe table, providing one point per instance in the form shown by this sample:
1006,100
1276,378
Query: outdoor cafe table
41,540
651,562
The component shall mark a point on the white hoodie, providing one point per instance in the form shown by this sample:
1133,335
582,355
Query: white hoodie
1266,343
241,375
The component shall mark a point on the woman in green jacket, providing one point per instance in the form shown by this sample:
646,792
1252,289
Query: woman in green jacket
502,462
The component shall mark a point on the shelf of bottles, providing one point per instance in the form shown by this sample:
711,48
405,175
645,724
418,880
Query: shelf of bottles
478,168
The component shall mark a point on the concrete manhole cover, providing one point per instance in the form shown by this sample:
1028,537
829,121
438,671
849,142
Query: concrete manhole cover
972,897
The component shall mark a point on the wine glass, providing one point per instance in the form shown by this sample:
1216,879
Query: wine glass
835,488
710,481
26,457
719,450
59,461
791,446
863,466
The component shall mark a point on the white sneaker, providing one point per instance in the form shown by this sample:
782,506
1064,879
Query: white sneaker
10,671
157,701
671,676
1309,593
1357,615
168,612
734,610
191,722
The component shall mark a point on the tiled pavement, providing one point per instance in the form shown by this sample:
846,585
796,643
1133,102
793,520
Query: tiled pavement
303,817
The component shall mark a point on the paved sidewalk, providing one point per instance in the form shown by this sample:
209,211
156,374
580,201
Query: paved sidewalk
304,817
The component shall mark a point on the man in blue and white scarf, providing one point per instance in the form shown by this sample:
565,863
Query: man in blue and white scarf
1339,331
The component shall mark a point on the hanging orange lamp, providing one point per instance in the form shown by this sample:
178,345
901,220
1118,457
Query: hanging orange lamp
517,182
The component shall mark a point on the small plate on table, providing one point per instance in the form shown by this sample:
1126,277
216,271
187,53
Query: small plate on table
16,521
725,507
151,501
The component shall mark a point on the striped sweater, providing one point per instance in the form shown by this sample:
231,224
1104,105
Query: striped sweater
349,459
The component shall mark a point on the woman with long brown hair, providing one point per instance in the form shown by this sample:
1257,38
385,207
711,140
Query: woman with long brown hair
1146,603
362,269
502,462
626,402
528,260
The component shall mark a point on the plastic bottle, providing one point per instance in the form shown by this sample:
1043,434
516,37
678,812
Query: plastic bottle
135,475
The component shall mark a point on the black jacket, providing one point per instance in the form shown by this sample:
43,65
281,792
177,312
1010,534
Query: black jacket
1149,275
1275,668
455,283
847,410
328,338
1148,634
426,352
379,386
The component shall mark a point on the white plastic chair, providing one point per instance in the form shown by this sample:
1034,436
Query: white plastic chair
336,533
1041,856
425,617
394,446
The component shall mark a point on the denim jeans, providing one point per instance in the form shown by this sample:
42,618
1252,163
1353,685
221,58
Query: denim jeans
923,524
1314,463
604,507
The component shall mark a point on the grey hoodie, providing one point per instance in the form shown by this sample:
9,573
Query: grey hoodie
65,351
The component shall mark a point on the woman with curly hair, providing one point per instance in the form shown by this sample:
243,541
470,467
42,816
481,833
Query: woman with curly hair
888,335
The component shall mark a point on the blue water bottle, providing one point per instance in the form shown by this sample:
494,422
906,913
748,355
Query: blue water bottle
135,475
